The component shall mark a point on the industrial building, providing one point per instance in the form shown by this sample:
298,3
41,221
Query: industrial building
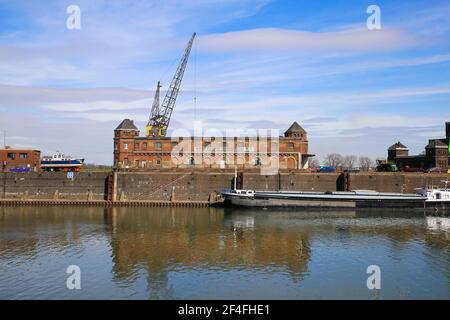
436,154
20,160
134,152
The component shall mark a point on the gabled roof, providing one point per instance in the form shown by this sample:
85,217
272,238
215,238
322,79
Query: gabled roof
294,128
435,144
127,124
398,145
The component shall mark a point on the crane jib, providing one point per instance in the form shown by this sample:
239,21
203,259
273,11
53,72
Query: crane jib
160,115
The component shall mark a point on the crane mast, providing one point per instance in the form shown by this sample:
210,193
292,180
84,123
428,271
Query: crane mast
160,116
155,106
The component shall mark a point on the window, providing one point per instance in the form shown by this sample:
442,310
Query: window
227,149
23,155
257,161
136,146
11,155
158,162
191,161
158,145
125,146
290,146
144,145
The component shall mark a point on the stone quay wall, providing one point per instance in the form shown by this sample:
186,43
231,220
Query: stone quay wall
194,185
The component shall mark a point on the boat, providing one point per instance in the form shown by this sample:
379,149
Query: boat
60,162
428,197
330,199
437,198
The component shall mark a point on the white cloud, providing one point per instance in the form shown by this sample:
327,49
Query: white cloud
274,39
23,96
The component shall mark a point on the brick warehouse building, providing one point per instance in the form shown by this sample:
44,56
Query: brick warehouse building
134,152
436,154
19,159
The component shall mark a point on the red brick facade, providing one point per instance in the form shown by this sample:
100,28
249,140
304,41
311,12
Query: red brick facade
17,158
134,152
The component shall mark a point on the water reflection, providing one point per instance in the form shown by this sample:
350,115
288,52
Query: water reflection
222,253
168,239
438,223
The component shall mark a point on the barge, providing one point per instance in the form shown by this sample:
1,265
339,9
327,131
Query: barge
424,198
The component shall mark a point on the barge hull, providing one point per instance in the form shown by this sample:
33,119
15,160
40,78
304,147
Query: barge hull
332,204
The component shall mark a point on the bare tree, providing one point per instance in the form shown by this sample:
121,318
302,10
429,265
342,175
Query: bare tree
349,161
314,162
333,159
365,163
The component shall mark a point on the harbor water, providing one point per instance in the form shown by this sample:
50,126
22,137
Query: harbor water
217,253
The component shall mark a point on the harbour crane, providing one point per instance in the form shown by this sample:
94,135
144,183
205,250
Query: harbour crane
160,115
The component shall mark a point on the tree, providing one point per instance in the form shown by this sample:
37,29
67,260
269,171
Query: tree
333,159
314,162
350,161
365,163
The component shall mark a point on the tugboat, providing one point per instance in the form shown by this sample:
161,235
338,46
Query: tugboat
61,162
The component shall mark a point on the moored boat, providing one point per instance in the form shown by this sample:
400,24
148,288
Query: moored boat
61,162
428,198
337,199
437,198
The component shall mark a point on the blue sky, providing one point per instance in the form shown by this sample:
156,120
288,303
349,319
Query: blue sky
255,64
